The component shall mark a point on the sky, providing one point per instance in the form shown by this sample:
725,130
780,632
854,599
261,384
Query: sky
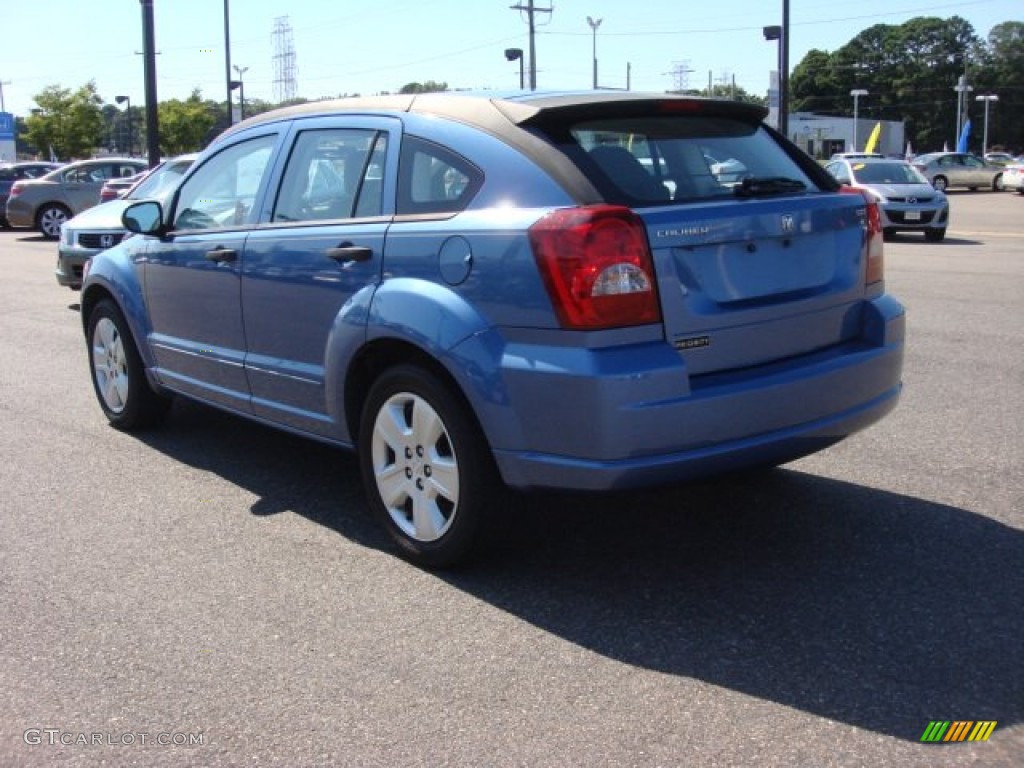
342,47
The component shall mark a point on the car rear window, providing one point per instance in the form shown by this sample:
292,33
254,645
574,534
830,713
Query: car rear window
658,160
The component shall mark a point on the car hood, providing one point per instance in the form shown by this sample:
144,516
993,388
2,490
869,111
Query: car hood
920,191
102,216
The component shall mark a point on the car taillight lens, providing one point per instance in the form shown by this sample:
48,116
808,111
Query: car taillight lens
597,267
873,253
16,189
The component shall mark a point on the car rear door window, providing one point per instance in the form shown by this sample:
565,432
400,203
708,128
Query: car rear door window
433,179
333,174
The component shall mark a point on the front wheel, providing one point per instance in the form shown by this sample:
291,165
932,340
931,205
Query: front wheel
940,183
50,219
997,183
118,375
426,467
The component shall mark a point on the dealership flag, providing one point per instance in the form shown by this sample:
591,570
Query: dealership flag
961,144
872,145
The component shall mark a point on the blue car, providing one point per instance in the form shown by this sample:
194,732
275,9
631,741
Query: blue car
542,291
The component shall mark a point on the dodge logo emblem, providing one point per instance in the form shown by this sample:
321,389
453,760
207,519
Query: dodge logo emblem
788,223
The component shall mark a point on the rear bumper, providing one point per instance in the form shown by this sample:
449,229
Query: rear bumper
20,213
636,419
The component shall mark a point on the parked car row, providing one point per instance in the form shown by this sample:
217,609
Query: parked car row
540,291
12,172
45,203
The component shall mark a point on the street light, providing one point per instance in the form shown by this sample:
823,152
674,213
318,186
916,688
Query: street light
594,24
774,32
128,114
512,54
241,90
856,93
987,98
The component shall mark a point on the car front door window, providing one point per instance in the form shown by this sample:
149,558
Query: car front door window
221,194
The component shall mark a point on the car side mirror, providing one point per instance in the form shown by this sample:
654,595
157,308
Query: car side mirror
143,218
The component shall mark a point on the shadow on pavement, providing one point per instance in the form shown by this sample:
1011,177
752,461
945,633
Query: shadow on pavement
859,605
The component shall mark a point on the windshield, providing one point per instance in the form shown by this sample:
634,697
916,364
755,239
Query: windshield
161,182
886,173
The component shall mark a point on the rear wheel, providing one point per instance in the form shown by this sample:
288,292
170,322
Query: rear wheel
426,467
49,220
997,183
118,375
934,235
940,183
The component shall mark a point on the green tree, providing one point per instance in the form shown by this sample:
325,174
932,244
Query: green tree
184,125
1004,77
430,86
69,122
909,72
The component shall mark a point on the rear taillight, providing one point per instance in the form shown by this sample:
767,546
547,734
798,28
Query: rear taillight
597,267
16,189
873,237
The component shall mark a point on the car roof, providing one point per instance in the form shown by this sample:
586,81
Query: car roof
495,111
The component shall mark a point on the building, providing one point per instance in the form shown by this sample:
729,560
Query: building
821,136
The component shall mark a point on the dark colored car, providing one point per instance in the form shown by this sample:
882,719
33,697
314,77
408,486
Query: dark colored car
47,202
12,172
473,292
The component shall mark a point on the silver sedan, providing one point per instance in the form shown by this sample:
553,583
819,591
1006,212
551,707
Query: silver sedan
958,169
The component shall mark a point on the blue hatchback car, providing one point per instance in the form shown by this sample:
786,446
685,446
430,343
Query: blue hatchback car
535,291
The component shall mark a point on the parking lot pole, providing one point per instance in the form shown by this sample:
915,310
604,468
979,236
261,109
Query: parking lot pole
149,57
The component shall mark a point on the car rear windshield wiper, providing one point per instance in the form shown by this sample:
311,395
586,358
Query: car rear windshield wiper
773,185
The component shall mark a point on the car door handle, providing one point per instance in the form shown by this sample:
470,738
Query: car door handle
221,255
349,252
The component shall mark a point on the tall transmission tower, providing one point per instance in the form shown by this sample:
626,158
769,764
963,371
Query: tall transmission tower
680,73
285,85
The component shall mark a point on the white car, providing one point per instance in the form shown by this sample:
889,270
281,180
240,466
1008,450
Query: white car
1013,178
100,227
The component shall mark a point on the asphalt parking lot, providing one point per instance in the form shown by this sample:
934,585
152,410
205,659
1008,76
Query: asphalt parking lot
213,594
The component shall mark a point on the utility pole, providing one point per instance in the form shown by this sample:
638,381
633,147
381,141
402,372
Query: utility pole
2,84
531,12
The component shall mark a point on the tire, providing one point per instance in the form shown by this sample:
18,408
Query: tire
940,183
118,376
49,220
934,235
427,470
997,183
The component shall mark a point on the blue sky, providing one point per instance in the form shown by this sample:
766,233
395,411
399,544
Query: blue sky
369,47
